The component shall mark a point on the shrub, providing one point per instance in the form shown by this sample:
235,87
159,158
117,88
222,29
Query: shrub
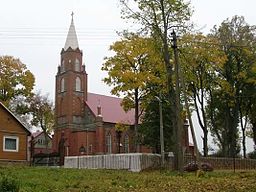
9,184
193,166
252,155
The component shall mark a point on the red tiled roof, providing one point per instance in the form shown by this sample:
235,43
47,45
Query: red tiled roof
111,109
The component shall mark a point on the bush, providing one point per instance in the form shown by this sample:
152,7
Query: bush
252,155
9,184
193,166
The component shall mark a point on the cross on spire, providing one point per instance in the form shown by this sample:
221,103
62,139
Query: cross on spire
72,15
71,40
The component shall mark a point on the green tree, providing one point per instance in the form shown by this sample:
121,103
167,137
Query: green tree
15,79
158,18
251,104
130,70
42,111
19,107
149,128
201,59
238,42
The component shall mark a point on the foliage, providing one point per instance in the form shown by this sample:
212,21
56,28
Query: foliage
131,69
228,104
149,128
19,107
193,166
159,18
42,112
252,155
9,183
15,79
201,59
121,127
51,179
157,15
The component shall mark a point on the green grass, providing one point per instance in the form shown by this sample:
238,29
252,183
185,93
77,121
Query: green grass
59,179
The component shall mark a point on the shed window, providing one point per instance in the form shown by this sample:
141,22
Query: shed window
11,143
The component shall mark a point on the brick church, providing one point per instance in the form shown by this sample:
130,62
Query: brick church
84,121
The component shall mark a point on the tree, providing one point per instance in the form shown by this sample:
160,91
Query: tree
252,112
15,79
19,107
41,109
238,42
201,59
149,127
158,18
130,70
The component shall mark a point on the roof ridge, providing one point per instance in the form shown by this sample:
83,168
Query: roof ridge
105,95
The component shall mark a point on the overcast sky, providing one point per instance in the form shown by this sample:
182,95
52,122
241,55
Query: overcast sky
35,31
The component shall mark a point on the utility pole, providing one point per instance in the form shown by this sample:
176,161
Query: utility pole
179,130
161,128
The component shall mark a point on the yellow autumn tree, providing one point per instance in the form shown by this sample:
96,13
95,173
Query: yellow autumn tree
201,60
135,64
15,79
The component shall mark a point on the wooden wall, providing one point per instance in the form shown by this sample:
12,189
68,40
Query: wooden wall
9,126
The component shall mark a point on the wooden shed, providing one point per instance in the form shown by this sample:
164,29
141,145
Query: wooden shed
13,137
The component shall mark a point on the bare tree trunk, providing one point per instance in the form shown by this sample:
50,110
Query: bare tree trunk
254,132
190,122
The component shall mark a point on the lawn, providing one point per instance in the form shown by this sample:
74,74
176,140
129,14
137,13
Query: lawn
64,180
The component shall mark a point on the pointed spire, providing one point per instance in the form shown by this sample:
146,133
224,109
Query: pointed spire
71,40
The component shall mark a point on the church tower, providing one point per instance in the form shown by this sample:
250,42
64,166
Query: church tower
70,93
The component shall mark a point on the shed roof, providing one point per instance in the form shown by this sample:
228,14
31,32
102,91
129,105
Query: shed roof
25,128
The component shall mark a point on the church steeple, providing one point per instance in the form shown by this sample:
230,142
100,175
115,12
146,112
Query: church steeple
71,40
70,93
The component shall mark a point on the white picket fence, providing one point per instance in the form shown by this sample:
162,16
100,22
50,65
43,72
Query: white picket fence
130,161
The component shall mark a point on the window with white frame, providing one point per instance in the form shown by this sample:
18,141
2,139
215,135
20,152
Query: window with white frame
11,143
109,143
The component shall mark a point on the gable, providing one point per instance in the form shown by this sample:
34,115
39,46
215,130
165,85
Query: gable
9,123
111,109
41,140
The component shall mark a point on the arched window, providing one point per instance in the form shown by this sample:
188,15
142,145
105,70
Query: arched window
62,85
109,143
78,84
126,144
77,65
